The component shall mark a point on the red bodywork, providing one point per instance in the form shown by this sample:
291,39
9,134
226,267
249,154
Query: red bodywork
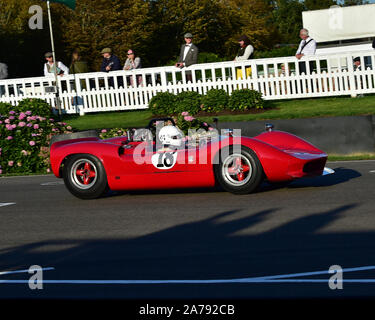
283,156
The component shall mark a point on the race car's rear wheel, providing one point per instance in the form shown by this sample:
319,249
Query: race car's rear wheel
85,177
239,171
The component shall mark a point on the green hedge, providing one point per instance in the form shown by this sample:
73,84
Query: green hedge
164,103
245,99
215,100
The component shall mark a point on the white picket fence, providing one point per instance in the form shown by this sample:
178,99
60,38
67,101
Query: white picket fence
275,78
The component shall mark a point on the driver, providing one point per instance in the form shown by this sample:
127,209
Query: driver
171,138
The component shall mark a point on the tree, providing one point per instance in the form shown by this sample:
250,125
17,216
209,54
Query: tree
319,4
288,19
95,25
347,3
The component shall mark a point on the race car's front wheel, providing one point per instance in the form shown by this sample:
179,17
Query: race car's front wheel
238,171
85,177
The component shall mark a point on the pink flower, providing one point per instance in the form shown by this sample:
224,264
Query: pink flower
29,125
52,120
10,163
9,127
1,122
104,131
32,143
12,112
7,121
205,124
189,118
22,116
22,124
69,127
9,138
28,113
48,170
36,126
11,118
185,113
1,171
24,152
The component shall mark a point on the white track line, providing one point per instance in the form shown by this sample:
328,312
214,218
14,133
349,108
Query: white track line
4,204
54,183
162,282
265,279
22,271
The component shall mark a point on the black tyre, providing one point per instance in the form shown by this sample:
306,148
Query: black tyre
85,177
238,171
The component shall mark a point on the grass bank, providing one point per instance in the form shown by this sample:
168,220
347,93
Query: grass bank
288,109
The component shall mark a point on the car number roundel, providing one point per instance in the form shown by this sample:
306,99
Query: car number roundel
164,160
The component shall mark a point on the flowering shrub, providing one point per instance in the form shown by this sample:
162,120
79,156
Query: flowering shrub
24,140
111,133
186,122
38,106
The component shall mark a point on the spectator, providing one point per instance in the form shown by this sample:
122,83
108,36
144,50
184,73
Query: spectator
3,75
307,47
49,67
245,52
188,55
111,63
78,65
357,63
358,79
131,63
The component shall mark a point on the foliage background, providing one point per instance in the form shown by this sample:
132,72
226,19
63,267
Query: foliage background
154,28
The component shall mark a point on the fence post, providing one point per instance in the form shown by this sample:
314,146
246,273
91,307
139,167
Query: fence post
352,88
78,99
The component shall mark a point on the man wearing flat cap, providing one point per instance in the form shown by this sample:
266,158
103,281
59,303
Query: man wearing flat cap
111,63
49,66
188,55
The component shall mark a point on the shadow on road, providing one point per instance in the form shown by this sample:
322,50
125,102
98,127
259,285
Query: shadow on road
341,175
206,249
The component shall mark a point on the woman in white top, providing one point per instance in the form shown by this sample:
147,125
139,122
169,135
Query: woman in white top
131,63
246,49
244,53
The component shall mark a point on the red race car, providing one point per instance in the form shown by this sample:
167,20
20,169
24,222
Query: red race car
163,159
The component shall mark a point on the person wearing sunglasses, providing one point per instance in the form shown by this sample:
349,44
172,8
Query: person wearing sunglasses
131,63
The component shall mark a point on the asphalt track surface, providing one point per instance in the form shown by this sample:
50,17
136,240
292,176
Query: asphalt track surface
307,226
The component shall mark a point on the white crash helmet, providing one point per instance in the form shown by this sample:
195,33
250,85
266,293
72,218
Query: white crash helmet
171,136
